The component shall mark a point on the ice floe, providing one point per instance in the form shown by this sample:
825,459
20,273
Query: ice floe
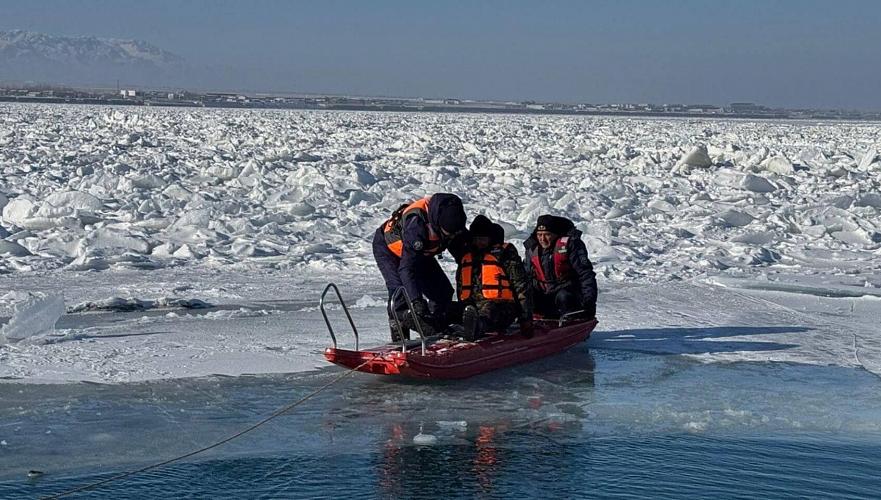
134,304
33,316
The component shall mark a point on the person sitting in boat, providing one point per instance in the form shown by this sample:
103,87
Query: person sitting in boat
562,274
404,248
491,283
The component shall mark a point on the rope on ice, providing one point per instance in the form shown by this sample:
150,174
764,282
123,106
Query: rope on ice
277,413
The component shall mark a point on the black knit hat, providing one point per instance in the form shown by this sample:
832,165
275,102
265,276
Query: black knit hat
480,226
496,234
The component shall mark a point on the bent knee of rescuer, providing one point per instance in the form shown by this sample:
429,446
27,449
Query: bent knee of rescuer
567,301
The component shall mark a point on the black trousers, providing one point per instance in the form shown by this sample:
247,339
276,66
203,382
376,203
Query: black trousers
561,302
433,282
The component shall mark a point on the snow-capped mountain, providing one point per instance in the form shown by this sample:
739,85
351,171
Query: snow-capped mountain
26,55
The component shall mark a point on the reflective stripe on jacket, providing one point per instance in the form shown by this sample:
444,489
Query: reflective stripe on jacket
394,228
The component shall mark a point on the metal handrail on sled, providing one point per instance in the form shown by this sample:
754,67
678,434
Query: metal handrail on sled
394,312
346,309
564,318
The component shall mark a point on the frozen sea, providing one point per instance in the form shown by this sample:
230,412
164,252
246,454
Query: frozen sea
160,270
592,422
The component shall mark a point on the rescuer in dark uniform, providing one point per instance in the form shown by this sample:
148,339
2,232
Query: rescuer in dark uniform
405,247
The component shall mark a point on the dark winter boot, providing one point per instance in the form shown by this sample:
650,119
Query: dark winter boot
397,329
425,323
471,324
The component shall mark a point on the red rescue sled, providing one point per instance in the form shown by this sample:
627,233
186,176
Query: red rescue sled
439,358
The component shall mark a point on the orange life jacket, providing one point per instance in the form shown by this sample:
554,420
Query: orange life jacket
393,229
494,282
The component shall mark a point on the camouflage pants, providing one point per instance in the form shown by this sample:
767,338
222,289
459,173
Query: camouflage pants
495,316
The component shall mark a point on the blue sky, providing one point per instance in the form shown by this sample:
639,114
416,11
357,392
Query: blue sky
795,53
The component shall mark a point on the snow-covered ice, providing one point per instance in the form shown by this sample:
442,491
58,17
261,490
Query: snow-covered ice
32,316
719,240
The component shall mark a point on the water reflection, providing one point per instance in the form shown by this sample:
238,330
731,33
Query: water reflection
391,468
475,432
487,457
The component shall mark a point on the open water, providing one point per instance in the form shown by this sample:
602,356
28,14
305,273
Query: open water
595,423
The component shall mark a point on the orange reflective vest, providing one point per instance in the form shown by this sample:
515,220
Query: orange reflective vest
494,282
393,228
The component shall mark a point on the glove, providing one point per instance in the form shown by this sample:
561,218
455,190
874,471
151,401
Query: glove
590,309
527,329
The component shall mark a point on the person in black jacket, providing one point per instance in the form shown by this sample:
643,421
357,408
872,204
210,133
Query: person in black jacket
562,274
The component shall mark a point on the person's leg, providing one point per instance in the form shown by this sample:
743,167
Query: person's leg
497,316
471,323
567,301
454,313
538,303
437,288
544,305
388,267
484,318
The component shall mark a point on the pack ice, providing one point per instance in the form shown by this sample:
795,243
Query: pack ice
659,201
90,188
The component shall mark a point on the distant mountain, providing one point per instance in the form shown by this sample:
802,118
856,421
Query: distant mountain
40,57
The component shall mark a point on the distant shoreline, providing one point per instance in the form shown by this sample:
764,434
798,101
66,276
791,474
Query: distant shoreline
386,105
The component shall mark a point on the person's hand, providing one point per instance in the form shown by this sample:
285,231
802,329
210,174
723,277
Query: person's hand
527,329
590,310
